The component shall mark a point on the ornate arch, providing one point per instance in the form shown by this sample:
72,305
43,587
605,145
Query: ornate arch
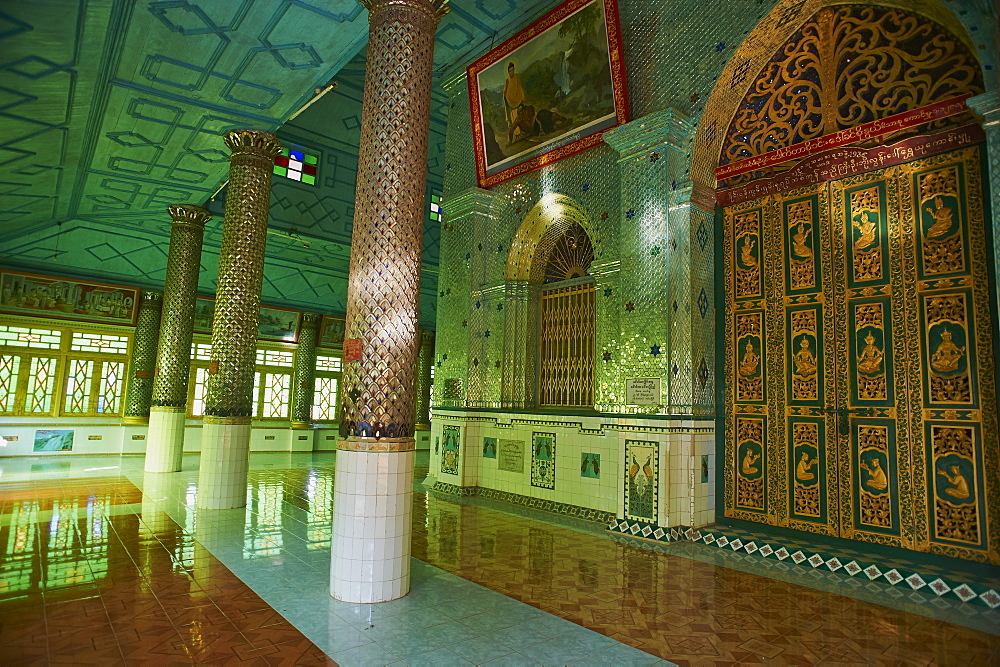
824,65
545,224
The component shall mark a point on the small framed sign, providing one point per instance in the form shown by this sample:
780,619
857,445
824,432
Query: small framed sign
352,350
642,391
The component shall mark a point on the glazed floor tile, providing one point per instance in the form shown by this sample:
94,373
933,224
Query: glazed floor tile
91,585
118,566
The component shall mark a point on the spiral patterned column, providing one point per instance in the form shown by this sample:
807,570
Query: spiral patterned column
370,562
139,392
225,435
304,372
425,359
165,441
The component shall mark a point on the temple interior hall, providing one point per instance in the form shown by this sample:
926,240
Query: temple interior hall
517,332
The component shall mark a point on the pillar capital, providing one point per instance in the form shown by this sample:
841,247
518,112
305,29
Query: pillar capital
311,319
152,298
188,214
987,105
435,8
663,129
253,142
472,201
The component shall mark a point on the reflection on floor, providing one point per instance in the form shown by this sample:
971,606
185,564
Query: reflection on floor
94,570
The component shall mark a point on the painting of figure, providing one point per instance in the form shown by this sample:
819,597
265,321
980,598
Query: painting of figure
48,296
549,91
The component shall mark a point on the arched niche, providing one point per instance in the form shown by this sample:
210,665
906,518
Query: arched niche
540,230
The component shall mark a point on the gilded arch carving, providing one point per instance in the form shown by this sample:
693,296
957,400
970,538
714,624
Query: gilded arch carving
775,32
540,230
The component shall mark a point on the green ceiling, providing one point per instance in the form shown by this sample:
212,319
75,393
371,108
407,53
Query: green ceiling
113,109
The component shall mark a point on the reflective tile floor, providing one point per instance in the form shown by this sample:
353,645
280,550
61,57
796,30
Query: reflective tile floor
101,564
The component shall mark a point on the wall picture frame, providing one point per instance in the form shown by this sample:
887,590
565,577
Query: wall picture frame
67,298
548,92
280,324
331,331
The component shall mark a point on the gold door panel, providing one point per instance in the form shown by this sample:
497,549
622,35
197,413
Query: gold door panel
859,353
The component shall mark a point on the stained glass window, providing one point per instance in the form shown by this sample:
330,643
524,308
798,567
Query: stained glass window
324,406
435,208
41,382
198,404
296,165
111,387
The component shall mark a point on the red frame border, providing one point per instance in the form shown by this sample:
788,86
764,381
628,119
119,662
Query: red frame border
554,16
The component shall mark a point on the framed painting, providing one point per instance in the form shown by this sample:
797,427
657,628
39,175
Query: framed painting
331,331
548,92
67,299
274,324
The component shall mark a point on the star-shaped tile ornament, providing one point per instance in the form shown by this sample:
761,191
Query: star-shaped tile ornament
629,307
607,356
655,350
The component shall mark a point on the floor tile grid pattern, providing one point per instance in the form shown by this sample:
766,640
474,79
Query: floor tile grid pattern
134,601
441,621
687,611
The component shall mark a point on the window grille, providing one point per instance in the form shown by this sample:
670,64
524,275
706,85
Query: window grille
45,339
566,375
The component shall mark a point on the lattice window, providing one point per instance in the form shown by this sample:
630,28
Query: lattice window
281,358
99,343
41,385
325,364
201,351
277,395
78,385
324,407
328,373
45,339
112,384
9,367
265,520
296,165
198,402
567,346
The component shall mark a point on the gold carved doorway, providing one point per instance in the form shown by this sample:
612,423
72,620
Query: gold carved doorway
859,364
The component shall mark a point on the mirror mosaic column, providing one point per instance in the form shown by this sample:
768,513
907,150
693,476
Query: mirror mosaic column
373,493
425,359
225,434
140,376
165,440
304,372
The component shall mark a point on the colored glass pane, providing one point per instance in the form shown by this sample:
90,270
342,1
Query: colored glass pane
296,155
294,175
308,180
283,161
309,168
311,159
280,171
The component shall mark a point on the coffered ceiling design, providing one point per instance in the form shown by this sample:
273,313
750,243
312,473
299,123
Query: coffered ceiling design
113,109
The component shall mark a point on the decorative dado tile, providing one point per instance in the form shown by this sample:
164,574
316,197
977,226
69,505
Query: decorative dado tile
833,568
564,509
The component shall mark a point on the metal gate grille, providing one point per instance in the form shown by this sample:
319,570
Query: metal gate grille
567,347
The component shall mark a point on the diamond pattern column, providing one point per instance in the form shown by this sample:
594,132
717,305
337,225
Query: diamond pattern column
165,444
304,372
139,392
425,359
373,491
225,435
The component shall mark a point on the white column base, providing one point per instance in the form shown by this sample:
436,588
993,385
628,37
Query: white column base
225,459
165,440
372,508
